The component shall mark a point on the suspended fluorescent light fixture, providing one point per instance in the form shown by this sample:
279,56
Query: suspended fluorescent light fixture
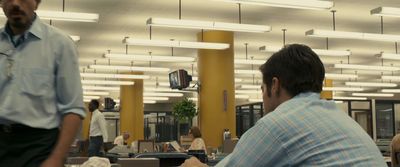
107,82
250,61
242,96
255,100
352,35
340,76
134,57
366,67
155,84
176,44
149,101
97,93
247,72
348,98
91,97
152,89
390,90
320,52
129,68
236,79
116,76
248,91
207,25
249,86
374,94
386,11
304,4
390,56
64,16
342,89
391,78
338,102
163,94
100,88
156,98
370,84
75,38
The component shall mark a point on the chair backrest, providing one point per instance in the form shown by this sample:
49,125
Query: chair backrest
142,162
229,145
76,160
146,146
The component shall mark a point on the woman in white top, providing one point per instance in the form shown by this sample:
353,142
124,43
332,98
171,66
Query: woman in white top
198,142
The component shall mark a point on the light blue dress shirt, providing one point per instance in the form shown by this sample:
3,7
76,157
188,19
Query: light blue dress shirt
305,131
43,83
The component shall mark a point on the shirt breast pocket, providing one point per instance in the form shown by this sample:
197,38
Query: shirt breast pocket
36,81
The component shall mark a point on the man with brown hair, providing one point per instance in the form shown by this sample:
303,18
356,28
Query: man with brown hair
41,105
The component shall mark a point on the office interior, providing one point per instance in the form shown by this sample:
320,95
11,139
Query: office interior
357,41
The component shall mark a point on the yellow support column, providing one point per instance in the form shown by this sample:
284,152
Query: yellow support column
132,111
216,74
327,94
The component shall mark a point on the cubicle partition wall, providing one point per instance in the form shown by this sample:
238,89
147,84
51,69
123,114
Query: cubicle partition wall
247,115
160,126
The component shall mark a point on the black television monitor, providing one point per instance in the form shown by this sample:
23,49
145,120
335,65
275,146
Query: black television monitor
179,79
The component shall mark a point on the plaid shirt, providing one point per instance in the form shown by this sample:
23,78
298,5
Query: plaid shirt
305,131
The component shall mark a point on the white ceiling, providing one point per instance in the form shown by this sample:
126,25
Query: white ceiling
121,18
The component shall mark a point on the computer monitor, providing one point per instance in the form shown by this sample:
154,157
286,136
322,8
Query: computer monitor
179,79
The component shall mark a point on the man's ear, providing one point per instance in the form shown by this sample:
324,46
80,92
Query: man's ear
275,86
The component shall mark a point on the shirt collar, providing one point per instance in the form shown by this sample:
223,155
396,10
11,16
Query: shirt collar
35,29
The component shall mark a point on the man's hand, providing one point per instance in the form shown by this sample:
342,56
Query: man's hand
193,162
52,162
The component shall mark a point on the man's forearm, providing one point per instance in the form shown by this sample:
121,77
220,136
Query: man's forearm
70,126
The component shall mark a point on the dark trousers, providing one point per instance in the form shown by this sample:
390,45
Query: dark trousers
95,144
22,146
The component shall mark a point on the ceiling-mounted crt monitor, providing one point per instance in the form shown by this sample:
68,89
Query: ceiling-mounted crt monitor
179,79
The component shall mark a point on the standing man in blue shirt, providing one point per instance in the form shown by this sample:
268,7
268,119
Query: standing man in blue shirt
41,105
300,129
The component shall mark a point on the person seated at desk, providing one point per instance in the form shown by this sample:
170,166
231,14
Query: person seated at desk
121,139
395,151
198,142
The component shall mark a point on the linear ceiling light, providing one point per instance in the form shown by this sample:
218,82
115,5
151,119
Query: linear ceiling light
386,11
156,98
366,67
91,97
352,35
349,98
149,101
158,89
342,89
390,56
149,58
249,87
255,100
116,76
340,76
249,61
236,79
248,91
155,83
97,93
107,82
163,94
128,68
391,78
176,44
303,4
242,96
390,90
247,72
75,38
64,16
370,84
320,52
207,25
100,88
374,94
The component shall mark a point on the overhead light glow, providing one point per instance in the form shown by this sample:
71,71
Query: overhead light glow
391,78
115,76
75,38
374,94
320,52
371,84
101,88
366,67
348,98
255,100
247,72
303,4
340,76
163,94
134,57
207,25
386,11
352,35
91,97
342,89
249,87
155,98
249,61
107,82
236,79
390,56
97,93
129,68
248,91
149,101
390,90
176,44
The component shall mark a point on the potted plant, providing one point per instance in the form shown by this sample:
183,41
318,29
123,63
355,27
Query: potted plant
184,111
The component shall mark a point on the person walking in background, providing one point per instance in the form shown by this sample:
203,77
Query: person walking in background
98,132
41,103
